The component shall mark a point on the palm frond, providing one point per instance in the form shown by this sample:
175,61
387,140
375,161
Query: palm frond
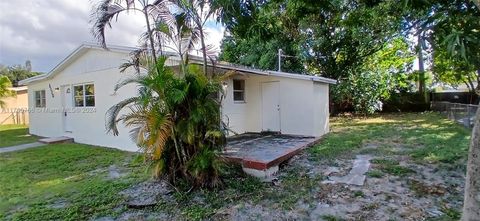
139,59
105,12
129,80
112,114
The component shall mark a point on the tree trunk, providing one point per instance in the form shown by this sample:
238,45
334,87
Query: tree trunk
477,90
150,37
421,67
477,2
471,203
204,49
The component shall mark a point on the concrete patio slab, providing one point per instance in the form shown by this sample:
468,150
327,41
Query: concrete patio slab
20,147
261,154
54,140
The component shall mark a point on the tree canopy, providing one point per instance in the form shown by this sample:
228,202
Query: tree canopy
16,73
337,38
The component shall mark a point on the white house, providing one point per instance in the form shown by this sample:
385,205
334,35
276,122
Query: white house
72,99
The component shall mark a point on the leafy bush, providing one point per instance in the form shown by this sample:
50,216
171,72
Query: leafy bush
374,81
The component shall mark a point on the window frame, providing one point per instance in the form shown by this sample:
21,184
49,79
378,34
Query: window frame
83,95
42,98
238,91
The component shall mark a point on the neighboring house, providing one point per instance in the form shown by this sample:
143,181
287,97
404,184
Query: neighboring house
73,98
16,107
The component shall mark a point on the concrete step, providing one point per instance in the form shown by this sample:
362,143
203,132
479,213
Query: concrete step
55,140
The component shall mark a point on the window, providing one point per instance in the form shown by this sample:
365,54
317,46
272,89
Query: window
40,99
238,90
84,95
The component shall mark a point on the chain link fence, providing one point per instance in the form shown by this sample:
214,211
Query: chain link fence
461,113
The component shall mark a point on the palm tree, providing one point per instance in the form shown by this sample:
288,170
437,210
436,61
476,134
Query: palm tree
108,10
174,119
178,32
175,122
5,91
198,12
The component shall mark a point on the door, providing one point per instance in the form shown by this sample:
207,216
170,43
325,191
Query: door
67,100
270,106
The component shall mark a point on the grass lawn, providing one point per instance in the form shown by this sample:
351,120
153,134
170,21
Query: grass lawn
426,137
11,135
62,182
416,159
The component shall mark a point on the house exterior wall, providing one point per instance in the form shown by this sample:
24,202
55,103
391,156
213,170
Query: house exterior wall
321,107
16,109
87,124
303,106
303,103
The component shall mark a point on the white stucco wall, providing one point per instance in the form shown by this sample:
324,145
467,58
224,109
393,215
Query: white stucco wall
321,108
303,106
87,124
303,103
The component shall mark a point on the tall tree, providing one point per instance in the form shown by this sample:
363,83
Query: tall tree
454,71
108,10
198,12
332,38
380,75
467,43
256,30
174,118
178,33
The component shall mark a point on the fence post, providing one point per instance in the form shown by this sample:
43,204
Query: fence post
461,113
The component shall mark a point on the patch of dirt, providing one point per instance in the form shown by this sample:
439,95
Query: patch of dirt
59,204
138,216
415,196
244,212
385,198
146,194
318,169
111,173
428,192
114,172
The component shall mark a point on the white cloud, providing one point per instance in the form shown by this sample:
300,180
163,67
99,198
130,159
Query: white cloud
45,31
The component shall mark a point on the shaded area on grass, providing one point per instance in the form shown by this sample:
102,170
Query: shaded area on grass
11,135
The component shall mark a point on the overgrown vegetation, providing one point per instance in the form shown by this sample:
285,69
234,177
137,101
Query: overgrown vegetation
341,39
175,119
71,181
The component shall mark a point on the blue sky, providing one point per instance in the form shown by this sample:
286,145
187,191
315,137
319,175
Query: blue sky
45,31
